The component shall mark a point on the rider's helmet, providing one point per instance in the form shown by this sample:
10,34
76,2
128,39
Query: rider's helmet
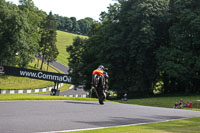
101,67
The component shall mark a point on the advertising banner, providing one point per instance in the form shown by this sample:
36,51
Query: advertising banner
36,74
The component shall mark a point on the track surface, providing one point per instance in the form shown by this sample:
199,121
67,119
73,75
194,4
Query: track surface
46,116
60,66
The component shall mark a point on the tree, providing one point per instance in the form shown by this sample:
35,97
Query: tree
75,26
144,42
132,41
126,43
85,25
48,47
9,45
179,61
18,36
52,54
30,36
59,22
67,24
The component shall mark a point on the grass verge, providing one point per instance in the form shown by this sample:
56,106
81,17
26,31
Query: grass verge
167,102
13,82
63,88
9,97
191,125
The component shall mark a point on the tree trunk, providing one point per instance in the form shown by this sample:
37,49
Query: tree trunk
47,65
43,57
42,63
38,62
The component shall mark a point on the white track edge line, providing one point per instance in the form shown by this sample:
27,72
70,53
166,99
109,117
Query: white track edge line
84,129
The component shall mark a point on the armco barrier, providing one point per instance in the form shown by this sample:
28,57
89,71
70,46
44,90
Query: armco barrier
16,91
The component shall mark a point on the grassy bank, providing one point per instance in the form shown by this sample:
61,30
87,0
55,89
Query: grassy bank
167,102
12,82
64,39
177,126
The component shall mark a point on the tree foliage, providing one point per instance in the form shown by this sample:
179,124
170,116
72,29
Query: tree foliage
73,25
31,36
179,60
144,42
9,33
21,31
48,49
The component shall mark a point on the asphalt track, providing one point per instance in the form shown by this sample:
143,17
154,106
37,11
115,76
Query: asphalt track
50,116
60,66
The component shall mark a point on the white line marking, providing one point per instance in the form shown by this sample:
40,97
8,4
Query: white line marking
84,129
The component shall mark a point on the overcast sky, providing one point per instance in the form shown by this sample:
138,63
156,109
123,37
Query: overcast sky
73,8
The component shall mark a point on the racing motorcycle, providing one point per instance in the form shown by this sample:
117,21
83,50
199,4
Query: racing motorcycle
100,85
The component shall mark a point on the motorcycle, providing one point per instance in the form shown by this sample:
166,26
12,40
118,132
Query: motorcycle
100,87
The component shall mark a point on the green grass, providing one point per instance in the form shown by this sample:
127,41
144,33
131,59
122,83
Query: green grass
12,82
65,87
167,102
8,97
191,125
64,39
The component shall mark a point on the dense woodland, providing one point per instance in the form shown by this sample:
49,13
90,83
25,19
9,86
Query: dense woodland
146,44
26,32
73,25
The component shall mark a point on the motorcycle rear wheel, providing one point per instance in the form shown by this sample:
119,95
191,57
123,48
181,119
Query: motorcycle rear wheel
101,101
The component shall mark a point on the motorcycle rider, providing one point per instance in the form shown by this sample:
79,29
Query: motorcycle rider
101,71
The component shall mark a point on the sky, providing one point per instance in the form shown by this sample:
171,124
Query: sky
73,8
